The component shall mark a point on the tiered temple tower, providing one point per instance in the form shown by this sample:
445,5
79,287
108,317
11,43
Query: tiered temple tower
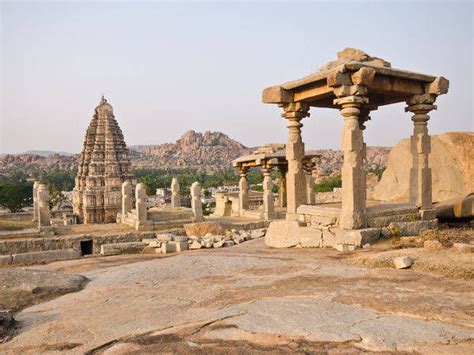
103,167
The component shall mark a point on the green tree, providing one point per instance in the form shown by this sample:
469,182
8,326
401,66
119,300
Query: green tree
15,196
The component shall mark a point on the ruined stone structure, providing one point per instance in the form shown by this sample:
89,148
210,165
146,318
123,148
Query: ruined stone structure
175,194
196,204
103,167
42,213
127,200
355,84
268,158
35,201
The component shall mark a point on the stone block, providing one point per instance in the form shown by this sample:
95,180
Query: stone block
345,247
121,248
202,228
329,238
5,260
45,256
228,243
167,248
149,240
414,228
181,246
195,245
463,248
428,214
255,234
431,245
165,237
283,234
311,237
357,237
155,244
180,238
403,262
218,244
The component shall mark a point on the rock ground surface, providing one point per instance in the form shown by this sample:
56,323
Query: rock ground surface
248,298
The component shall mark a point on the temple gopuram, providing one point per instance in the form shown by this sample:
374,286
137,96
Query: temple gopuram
103,167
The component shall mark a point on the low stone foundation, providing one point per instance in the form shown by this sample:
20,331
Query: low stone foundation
289,233
17,246
39,257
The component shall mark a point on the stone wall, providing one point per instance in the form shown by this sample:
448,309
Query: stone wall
45,244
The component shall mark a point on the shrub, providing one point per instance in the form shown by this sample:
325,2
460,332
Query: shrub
328,184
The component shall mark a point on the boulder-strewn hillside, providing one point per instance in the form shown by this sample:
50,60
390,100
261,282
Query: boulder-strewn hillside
208,151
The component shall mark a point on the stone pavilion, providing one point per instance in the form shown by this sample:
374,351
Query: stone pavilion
356,84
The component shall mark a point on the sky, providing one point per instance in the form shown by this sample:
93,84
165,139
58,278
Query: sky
168,67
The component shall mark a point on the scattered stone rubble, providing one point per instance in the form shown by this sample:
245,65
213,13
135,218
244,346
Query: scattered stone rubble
169,243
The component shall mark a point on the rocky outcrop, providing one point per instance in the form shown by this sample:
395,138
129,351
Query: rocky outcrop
208,151
451,161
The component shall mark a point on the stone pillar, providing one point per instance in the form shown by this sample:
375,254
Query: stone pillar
282,188
126,199
44,218
268,201
295,179
196,204
175,196
353,210
140,204
243,190
420,191
310,193
35,201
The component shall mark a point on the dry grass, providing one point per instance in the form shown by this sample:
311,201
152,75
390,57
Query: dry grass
15,225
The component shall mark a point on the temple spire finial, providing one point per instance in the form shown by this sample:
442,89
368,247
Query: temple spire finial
103,100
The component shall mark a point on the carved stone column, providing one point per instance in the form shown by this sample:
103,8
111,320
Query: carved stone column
35,201
126,199
140,205
268,201
420,191
310,193
44,218
282,188
243,190
295,178
175,195
353,211
196,204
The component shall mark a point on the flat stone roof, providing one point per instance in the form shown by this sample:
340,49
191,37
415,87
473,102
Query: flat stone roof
386,85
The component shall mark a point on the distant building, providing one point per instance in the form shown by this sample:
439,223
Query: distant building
103,167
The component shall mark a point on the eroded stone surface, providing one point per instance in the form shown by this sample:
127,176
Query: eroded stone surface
273,294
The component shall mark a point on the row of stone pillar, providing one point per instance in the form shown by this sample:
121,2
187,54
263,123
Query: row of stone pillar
268,200
141,206
355,110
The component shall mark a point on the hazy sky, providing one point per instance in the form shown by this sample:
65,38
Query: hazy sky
170,67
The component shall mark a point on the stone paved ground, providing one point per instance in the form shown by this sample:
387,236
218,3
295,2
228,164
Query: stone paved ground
248,299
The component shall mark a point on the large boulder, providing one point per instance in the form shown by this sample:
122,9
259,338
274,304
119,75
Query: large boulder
451,161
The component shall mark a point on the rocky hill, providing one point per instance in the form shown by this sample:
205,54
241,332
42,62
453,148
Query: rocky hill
208,151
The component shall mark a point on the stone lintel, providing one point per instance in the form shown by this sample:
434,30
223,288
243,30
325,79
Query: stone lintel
276,95
364,76
337,78
439,86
